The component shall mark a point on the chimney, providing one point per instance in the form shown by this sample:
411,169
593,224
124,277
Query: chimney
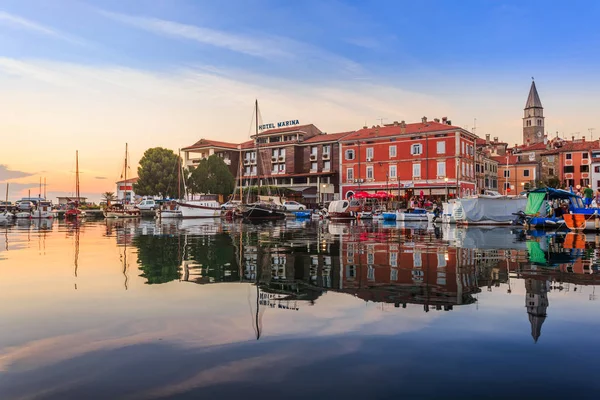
583,138
444,119
487,138
436,120
365,127
573,138
402,127
403,124
396,123
424,120
496,139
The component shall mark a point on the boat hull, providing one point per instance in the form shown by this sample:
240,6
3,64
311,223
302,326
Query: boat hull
123,214
342,216
257,214
389,216
408,217
583,222
169,214
201,209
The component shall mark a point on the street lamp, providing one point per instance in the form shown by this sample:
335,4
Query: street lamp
446,181
324,185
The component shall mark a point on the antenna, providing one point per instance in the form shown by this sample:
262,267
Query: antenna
474,125
380,119
591,130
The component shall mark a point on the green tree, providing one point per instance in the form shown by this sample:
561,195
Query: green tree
159,258
157,173
553,182
211,175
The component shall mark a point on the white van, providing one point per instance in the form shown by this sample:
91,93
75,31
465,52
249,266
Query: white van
147,204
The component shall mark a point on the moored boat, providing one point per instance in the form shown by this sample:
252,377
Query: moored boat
490,209
343,210
73,210
546,208
302,214
415,214
43,210
122,209
261,211
589,222
199,209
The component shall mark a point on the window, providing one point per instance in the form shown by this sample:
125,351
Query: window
441,168
369,172
584,168
393,151
570,182
274,152
416,170
369,153
463,169
349,154
507,173
416,149
551,171
371,273
281,167
441,147
350,174
393,259
326,149
282,152
585,155
506,185
568,156
392,174
393,274
598,183
539,122
526,173
569,169
327,166
551,159
313,166
441,260
596,170
462,147
417,261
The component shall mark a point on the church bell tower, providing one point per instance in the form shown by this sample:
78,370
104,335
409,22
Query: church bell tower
533,118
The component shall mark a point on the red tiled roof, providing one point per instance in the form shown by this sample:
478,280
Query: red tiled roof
568,146
247,145
397,130
329,137
203,143
130,180
532,147
293,128
512,160
483,142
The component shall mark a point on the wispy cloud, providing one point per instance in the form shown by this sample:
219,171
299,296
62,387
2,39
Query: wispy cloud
16,21
259,47
277,49
6,173
100,177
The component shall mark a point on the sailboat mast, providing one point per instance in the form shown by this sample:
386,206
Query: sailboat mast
40,195
44,187
77,175
7,192
125,194
179,175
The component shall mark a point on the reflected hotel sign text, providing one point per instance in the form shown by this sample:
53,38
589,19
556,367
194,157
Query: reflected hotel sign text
281,124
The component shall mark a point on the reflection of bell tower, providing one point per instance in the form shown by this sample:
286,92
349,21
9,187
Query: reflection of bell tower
533,118
536,301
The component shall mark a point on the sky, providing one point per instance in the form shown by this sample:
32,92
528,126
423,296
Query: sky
94,75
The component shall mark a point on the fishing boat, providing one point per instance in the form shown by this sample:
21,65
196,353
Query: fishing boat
170,210
588,222
261,210
206,207
43,210
414,214
122,209
344,210
546,208
73,210
389,216
302,214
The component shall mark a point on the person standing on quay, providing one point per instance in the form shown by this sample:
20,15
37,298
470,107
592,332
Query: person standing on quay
588,194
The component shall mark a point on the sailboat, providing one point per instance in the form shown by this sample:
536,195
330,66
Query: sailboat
43,207
6,215
73,211
122,209
261,210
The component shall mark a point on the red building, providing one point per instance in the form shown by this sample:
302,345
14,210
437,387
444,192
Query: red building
432,157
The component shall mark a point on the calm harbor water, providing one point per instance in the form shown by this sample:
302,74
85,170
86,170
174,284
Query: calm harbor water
211,309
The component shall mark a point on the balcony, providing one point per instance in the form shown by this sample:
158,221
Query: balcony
273,159
326,156
281,158
246,162
313,157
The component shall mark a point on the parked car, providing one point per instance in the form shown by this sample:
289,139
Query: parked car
293,206
148,204
231,204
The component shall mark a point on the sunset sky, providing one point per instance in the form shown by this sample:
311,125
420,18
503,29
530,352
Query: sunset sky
93,75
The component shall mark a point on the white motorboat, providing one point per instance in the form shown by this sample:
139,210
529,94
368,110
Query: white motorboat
448,212
43,210
6,216
488,209
415,214
23,215
200,209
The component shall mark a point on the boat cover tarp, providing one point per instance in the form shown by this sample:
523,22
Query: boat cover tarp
536,254
492,209
338,206
534,202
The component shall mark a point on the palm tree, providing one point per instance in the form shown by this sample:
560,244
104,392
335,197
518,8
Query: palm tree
109,196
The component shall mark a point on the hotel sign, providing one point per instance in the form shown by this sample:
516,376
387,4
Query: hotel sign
281,124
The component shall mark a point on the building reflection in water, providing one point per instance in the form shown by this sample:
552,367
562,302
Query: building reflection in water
437,269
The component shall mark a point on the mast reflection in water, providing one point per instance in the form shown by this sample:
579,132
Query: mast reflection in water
357,303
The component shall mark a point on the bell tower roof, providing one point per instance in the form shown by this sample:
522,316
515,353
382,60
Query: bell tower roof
533,100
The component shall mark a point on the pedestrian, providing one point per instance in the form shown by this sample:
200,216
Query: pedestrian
588,195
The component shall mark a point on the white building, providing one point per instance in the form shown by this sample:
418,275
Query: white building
595,169
126,186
